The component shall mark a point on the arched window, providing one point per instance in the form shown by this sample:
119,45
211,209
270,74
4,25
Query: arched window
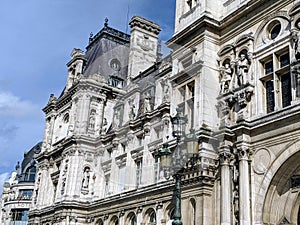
152,217
192,211
30,174
99,222
131,219
114,221
66,118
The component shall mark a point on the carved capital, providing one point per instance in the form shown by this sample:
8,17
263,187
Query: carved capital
73,219
105,216
225,156
159,205
139,209
121,213
244,153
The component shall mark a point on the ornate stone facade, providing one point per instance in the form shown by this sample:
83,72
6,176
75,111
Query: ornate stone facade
233,71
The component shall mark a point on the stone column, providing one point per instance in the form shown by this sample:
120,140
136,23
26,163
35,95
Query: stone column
225,156
100,114
244,186
159,213
148,161
139,217
72,116
121,218
105,219
85,113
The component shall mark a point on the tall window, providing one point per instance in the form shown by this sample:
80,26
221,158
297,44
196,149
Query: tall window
139,167
156,170
152,218
19,214
277,80
106,185
186,98
30,174
132,219
121,178
192,212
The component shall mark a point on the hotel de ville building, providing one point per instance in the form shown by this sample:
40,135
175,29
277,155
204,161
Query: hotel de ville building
232,77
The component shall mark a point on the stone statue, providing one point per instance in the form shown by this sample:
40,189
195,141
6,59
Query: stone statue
147,104
296,40
166,97
104,126
242,70
131,111
86,178
226,77
117,118
92,121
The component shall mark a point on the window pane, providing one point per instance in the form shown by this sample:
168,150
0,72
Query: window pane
275,31
121,178
138,173
284,60
286,90
269,67
270,96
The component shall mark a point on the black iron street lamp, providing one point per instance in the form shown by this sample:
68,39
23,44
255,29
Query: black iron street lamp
182,156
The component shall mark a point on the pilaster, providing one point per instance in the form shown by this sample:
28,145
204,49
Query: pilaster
244,186
225,157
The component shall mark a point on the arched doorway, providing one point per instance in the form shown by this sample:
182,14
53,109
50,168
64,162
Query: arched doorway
282,199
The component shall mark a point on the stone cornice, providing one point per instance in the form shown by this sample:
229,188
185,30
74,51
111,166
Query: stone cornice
197,27
144,24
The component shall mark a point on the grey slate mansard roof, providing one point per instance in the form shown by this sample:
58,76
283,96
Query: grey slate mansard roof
106,45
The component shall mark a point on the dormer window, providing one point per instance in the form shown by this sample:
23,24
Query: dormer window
30,174
116,82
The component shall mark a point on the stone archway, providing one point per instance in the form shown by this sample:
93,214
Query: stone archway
282,202
276,201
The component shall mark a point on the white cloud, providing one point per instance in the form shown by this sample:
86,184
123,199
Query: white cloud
13,106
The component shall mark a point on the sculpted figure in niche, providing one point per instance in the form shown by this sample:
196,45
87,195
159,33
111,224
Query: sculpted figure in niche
131,111
296,40
242,69
104,126
86,178
166,92
226,77
147,103
117,118
92,121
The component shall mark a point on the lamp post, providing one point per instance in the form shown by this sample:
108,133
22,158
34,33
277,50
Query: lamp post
174,163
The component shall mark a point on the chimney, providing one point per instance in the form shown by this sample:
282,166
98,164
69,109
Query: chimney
143,45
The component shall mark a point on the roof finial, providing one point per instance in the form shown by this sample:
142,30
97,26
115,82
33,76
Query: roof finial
106,22
91,37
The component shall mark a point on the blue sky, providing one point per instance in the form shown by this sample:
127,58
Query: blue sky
36,39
